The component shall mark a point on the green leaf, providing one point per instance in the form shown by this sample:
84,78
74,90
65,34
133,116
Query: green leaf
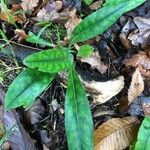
32,38
85,51
102,19
143,142
78,119
26,87
88,2
7,134
52,61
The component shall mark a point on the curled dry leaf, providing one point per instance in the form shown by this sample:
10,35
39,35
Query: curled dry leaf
29,5
142,61
96,5
104,91
142,34
136,86
116,134
95,62
146,109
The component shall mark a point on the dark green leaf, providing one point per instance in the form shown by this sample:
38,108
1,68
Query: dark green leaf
32,38
143,141
26,87
78,119
85,51
52,61
102,19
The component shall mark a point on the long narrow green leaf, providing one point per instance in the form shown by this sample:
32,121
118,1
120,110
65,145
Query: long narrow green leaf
52,61
78,119
143,142
26,87
7,134
102,19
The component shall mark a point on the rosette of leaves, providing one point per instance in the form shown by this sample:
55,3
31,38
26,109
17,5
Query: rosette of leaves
44,65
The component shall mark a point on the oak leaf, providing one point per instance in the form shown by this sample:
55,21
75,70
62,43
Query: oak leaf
136,86
116,134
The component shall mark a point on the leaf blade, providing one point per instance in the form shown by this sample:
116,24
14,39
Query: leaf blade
51,61
26,87
102,19
78,113
143,142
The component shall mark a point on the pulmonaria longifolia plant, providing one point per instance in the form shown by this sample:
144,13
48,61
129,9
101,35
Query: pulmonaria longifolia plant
43,66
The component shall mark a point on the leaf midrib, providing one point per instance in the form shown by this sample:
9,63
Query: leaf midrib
92,25
76,108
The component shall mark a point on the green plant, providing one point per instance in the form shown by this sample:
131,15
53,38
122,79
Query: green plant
43,66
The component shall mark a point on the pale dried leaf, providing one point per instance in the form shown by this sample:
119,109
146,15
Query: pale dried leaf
50,12
72,22
136,86
142,61
29,5
21,35
104,91
96,5
95,62
116,134
140,36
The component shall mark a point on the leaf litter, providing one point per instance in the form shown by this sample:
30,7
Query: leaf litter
117,69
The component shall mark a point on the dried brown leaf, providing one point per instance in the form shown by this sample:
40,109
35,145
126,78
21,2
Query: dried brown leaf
95,62
29,5
21,35
72,22
104,91
142,61
116,134
96,5
136,86
142,34
20,18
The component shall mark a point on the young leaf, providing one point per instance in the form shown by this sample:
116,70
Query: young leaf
88,2
85,51
78,119
32,38
52,61
116,133
26,87
143,142
102,19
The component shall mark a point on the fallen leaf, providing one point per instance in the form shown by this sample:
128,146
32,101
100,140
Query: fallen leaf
21,35
50,12
20,18
29,5
116,134
95,62
142,61
146,109
19,138
136,86
124,35
142,34
104,91
72,22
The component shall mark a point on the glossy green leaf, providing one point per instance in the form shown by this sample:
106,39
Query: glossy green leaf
143,140
52,61
26,87
78,119
102,19
32,38
85,51
88,2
